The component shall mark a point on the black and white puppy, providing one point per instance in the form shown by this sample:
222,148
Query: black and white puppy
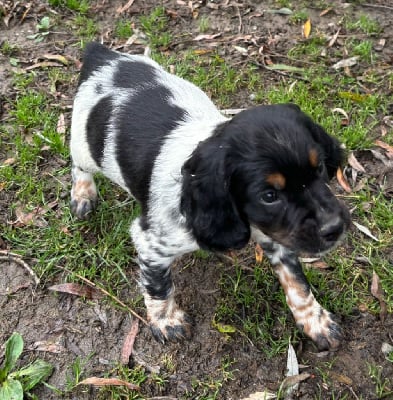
205,181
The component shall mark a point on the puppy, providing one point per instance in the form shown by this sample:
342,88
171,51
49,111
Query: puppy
205,181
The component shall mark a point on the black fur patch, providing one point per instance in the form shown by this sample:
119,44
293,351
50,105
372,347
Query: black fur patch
94,57
133,74
143,123
97,127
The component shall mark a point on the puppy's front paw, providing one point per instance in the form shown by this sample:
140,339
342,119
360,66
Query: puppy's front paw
82,207
167,321
323,330
175,328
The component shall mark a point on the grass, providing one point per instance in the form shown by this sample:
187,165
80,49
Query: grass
250,300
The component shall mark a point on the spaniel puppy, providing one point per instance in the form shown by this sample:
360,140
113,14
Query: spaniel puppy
205,181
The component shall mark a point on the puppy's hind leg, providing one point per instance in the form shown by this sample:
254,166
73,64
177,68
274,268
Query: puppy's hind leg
83,193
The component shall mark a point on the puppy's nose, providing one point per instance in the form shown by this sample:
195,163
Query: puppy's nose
332,229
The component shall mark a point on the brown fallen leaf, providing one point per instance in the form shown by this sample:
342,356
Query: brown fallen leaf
34,217
348,62
77,289
342,181
108,382
385,146
320,265
128,344
56,57
354,163
265,395
325,11
378,293
258,254
61,125
9,161
207,37
365,230
43,64
48,346
120,10
341,378
334,38
307,28
293,380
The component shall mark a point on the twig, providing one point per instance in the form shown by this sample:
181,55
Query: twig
8,256
120,10
240,27
118,301
352,391
377,6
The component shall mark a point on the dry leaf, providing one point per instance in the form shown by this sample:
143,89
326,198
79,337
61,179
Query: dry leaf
340,378
265,395
386,147
9,161
61,126
108,382
258,254
365,230
334,38
345,120
348,62
56,57
128,344
48,346
282,11
386,348
342,181
29,218
354,163
34,217
292,370
206,37
320,265
325,11
307,28
377,292
380,45
43,64
77,289
290,381
241,50
120,10
202,51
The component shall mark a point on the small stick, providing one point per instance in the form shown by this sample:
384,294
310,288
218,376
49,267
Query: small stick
377,6
8,256
118,301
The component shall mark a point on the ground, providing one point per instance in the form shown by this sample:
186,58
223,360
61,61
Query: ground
241,53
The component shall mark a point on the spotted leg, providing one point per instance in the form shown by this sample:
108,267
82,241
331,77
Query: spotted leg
167,321
83,193
316,322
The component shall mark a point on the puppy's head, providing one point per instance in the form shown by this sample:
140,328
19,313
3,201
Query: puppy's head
268,168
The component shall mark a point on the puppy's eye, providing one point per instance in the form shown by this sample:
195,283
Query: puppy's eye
269,196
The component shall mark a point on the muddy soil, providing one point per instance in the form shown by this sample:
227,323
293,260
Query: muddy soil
60,327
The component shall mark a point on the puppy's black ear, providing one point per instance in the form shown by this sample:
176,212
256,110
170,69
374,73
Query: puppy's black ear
206,202
334,154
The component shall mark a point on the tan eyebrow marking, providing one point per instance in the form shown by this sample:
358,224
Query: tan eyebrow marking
313,158
277,180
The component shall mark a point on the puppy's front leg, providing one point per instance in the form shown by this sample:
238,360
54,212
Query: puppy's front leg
309,315
167,321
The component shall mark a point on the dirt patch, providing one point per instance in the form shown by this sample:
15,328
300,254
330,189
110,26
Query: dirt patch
59,328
